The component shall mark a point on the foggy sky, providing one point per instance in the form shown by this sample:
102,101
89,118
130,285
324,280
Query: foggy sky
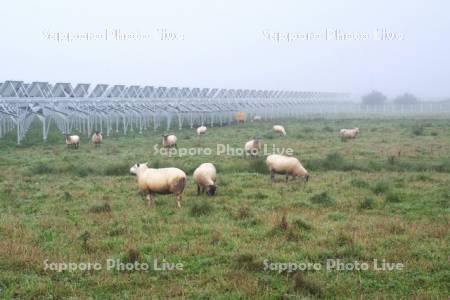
222,44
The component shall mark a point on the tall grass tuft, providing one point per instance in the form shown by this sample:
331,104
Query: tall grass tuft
302,224
367,203
301,284
359,183
203,208
84,238
118,169
381,187
258,166
393,197
418,129
322,199
247,261
132,255
43,168
100,208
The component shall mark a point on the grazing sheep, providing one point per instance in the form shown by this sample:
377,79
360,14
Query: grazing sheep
169,140
159,181
257,118
280,164
205,177
97,138
349,133
201,130
72,140
252,147
279,129
240,117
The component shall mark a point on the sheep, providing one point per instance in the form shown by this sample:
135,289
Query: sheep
97,138
72,140
349,133
159,181
280,164
279,129
205,178
201,130
169,140
240,117
252,147
257,118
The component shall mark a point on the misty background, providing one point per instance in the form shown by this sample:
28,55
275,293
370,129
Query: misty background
222,44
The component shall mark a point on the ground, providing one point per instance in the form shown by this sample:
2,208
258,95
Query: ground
384,195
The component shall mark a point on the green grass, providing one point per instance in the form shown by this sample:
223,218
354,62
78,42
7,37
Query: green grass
383,195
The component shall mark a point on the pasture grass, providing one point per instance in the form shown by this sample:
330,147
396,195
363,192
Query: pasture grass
383,195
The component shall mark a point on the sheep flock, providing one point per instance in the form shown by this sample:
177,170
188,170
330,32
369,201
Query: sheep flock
152,181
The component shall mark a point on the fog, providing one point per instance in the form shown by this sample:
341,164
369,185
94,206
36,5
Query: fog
232,44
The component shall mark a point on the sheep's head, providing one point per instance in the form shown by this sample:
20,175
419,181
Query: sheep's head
306,178
211,191
134,170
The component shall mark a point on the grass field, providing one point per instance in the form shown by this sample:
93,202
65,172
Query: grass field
384,195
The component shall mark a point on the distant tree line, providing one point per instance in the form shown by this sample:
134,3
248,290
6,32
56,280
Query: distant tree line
378,98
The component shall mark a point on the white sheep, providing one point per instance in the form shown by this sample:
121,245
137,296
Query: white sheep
205,178
349,133
169,140
73,140
257,118
97,138
280,164
252,147
279,129
201,130
159,181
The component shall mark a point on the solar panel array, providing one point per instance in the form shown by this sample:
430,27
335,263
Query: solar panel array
85,108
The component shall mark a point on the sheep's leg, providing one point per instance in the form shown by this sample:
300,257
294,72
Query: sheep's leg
272,175
203,190
287,177
151,200
198,189
179,200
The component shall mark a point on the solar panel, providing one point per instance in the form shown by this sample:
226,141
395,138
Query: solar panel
99,90
195,92
39,89
185,92
204,92
11,88
161,92
115,91
81,90
62,89
173,92
132,91
212,93
199,104
148,92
